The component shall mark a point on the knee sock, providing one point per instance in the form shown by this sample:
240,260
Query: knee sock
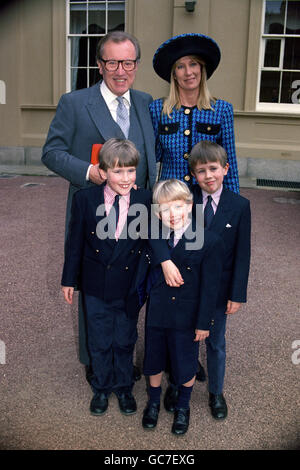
184,397
154,394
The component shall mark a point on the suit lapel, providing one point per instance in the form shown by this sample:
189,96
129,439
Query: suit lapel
101,116
222,213
180,246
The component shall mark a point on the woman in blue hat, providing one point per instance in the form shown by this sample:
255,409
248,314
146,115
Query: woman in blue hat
190,114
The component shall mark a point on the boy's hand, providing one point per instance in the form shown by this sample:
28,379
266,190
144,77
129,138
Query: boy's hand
201,335
68,294
232,307
172,274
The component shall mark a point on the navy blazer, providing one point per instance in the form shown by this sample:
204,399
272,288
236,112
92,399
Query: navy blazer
193,304
82,119
232,222
103,268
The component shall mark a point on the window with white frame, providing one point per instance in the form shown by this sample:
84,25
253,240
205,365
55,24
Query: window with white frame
279,83
87,22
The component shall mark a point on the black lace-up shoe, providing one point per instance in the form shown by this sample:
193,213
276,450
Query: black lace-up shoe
181,421
127,403
99,404
150,416
218,406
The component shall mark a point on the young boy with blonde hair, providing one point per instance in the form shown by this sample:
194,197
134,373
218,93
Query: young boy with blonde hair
178,317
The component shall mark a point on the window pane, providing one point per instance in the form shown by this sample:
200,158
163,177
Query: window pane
292,54
81,51
74,51
293,18
274,17
78,79
91,18
93,45
96,18
269,87
77,19
116,17
94,76
290,91
272,53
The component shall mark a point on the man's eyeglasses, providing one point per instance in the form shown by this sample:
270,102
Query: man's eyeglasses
113,65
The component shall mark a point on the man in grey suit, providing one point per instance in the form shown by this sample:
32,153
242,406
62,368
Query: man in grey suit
89,116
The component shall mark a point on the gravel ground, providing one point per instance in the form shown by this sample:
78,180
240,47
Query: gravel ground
44,395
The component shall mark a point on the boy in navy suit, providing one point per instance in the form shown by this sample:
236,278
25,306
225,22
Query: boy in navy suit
178,317
101,259
228,215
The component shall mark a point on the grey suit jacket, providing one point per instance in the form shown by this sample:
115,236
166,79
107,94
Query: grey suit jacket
83,119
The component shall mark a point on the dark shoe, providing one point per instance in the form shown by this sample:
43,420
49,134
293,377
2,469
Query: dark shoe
181,421
136,374
99,404
127,403
171,398
218,406
150,416
88,373
200,375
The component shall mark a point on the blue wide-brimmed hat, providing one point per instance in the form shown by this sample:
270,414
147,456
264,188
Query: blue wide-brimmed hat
186,44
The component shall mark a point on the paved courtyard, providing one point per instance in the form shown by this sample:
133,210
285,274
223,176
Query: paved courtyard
44,396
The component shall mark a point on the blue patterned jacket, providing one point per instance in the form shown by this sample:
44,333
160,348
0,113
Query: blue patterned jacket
176,136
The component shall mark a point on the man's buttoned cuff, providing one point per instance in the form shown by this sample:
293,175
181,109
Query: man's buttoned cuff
88,173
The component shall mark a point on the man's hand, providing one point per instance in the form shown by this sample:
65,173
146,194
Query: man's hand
94,175
201,335
172,274
232,307
68,294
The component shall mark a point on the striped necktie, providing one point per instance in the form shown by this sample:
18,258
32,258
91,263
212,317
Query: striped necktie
122,116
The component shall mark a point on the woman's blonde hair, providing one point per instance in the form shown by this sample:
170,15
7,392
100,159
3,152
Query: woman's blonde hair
171,190
173,100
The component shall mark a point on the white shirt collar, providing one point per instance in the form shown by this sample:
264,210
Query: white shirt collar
215,196
109,97
179,232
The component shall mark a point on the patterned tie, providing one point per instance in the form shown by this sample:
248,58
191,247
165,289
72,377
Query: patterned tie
208,213
122,116
113,217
